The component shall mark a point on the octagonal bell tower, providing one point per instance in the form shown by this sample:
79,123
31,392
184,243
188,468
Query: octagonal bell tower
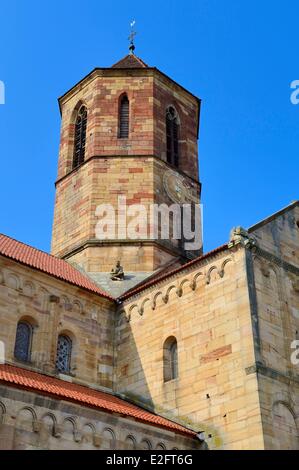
129,133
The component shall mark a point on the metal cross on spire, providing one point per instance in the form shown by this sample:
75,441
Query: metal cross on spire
131,37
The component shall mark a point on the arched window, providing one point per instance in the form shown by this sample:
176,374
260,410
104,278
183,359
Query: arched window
170,359
172,136
23,342
123,127
80,137
63,355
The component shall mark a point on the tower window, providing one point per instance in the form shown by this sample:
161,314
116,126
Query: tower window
80,137
170,359
172,136
63,355
23,341
123,128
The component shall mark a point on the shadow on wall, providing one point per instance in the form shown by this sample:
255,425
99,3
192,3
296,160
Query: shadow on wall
129,367
136,381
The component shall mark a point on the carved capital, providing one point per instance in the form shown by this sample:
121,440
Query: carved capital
141,311
127,316
97,440
179,291
57,431
221,272
265,270
36,426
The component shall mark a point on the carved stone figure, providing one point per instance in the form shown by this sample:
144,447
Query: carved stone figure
117,273
240,235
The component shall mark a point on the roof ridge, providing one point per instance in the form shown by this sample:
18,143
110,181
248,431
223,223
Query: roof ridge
140,60
272,216
128,60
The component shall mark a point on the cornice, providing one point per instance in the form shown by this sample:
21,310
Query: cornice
107,157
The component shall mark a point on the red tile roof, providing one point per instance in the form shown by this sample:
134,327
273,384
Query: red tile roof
130,61
168,274
57,388
60,269
48,264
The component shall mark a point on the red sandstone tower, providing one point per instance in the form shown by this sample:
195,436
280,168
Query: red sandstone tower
128,131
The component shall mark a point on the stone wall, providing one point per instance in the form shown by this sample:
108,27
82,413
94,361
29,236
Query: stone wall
101,92
167,93
53,307
276,277
34,422
207,309
113,167
100,182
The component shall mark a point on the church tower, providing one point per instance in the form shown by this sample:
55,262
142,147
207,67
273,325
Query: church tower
129,134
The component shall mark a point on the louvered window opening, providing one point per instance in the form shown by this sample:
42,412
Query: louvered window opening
172,137
80,137
124,118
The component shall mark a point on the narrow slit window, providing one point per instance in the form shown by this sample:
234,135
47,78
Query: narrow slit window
124,118
172,136
80,137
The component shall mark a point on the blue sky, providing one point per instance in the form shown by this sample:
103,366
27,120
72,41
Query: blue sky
238,57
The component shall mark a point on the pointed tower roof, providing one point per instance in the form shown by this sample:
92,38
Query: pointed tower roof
130,61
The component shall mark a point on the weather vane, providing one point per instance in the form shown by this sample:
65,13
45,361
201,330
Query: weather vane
131,37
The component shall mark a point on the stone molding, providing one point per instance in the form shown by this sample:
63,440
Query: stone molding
266,371
179,287
278,261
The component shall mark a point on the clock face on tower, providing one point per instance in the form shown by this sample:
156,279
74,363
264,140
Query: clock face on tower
179,189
